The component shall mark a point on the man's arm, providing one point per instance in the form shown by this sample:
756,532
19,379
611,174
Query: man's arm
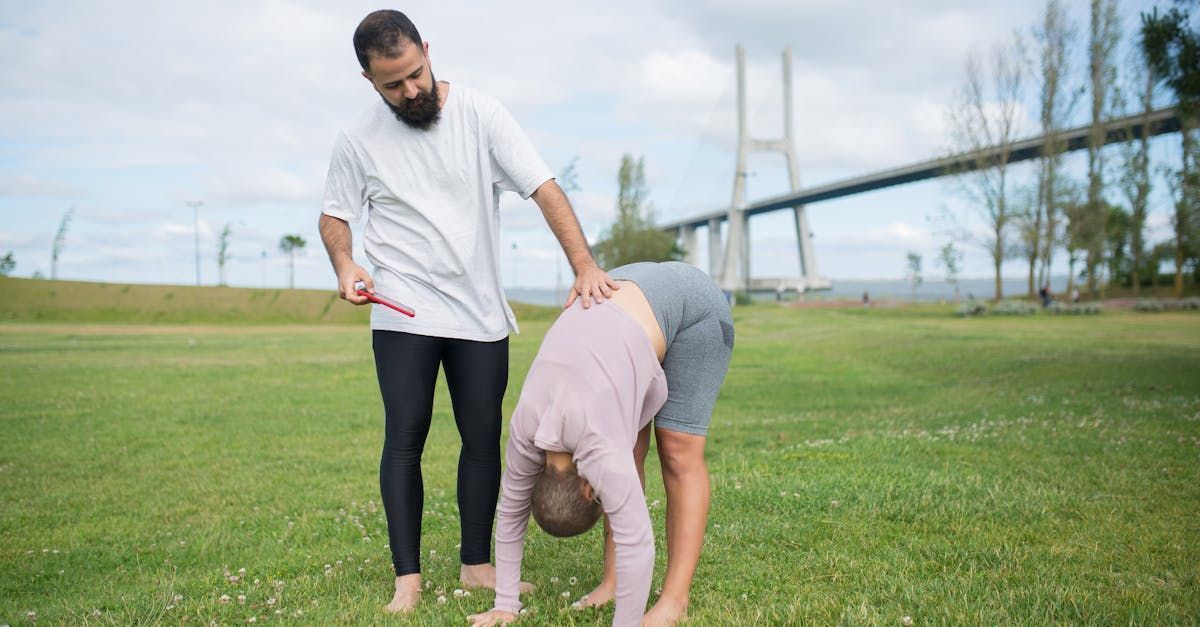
336,235
591,282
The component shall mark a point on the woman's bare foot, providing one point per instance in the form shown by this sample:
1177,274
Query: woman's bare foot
408,593
601,596
665,613
484,576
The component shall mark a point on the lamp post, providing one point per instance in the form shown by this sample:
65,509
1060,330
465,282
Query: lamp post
195,205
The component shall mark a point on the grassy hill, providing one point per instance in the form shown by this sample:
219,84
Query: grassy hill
31,300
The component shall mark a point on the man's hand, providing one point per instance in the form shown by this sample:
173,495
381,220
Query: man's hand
350,275
493,617
591,283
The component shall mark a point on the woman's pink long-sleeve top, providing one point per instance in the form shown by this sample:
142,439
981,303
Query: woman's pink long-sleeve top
595,383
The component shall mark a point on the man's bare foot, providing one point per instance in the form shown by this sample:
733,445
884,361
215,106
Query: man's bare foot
601,596
484,576
408,593
665,613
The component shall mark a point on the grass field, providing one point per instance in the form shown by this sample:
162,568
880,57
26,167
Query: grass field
867,466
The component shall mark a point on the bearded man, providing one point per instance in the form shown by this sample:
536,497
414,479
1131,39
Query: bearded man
427,164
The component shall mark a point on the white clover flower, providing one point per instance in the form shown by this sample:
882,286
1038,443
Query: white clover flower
271,601
256,582
252,619
578,605
224,598
906,621
96,613
782,493
170,607
566,594
278,583
177,598
241,571
279,612
573,581
441,600
31,615
524,611
241,598
298,613
554,580
432,552
834,504
459,592
233,579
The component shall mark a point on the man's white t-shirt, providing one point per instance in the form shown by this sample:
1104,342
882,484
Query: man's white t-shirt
432,203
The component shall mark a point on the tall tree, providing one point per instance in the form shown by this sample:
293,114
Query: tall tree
1028,219
632,236
60,240
7,264
1053,38
951,259
289,245
1117,238
1172,46
1104,36
913,271
223,252
985,118
1134,177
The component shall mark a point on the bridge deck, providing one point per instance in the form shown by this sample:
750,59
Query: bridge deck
1123,129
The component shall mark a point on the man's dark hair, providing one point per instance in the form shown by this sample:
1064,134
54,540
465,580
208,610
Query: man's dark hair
383,34
558,504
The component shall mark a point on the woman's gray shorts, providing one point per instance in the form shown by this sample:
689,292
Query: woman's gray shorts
694,315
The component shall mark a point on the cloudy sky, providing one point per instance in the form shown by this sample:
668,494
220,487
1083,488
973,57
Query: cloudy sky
128,111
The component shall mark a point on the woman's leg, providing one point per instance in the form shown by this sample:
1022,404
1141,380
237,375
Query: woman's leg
685,477
407,367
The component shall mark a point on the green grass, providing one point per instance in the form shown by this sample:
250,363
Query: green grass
867,465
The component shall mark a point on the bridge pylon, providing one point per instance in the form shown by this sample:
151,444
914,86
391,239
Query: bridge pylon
731,266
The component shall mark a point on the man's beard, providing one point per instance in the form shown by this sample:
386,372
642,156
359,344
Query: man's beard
421,112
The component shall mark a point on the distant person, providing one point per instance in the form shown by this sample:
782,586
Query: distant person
866,299
426,164
581,431
1074,294
1044,294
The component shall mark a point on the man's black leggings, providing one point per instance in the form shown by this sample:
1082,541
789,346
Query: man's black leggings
477,374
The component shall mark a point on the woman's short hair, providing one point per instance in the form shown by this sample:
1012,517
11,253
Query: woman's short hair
558,504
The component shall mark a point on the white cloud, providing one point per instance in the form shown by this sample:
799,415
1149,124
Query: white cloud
23,185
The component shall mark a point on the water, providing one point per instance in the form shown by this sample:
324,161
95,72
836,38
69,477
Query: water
849,289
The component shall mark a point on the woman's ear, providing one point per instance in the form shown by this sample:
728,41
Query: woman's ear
588,493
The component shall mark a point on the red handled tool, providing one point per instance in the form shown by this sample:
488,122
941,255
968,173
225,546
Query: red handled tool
361,289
